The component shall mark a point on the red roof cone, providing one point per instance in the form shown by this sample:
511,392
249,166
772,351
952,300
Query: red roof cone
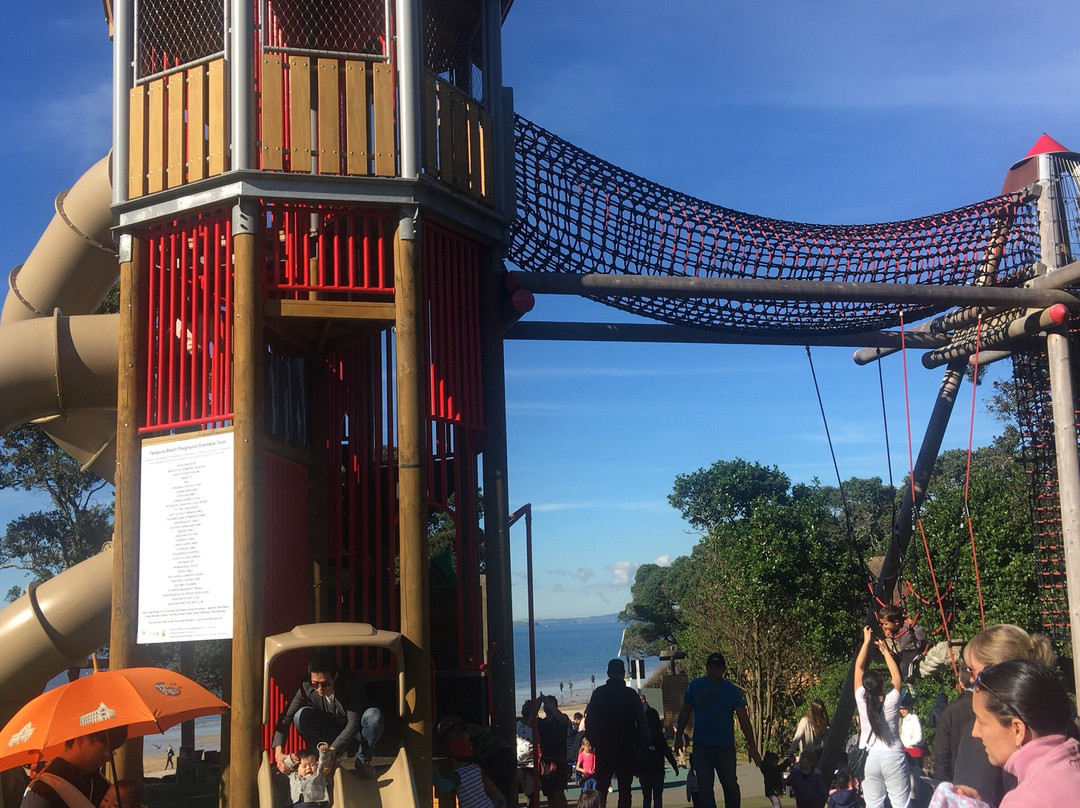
1025,171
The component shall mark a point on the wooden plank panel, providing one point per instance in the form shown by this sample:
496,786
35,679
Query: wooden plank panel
382,81
476,179
271,116
460,134
357,104
196,123
444,92
155,142
429,124
487,158
137,143
217,155
300,114
329,117
174,138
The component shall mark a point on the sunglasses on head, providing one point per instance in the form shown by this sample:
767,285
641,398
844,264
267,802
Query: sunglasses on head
981,685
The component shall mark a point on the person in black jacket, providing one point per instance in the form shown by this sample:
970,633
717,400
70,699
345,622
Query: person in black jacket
615,726
331,707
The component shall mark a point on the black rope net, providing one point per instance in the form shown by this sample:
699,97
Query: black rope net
577,213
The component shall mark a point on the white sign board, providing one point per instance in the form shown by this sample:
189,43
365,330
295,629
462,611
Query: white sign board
186,544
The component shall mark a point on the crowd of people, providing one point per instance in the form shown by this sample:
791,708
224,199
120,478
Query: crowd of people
1010,740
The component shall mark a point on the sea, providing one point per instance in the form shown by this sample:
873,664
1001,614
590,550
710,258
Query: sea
568,652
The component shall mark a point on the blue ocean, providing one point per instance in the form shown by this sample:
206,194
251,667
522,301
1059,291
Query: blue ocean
568,653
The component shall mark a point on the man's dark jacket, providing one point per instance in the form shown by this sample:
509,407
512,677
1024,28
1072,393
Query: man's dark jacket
350,701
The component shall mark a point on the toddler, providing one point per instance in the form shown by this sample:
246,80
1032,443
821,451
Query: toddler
307,783
806,782
772,770
845,792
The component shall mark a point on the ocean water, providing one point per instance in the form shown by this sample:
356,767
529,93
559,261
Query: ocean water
568,652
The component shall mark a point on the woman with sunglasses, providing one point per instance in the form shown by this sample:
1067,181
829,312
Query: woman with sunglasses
1027,724
886,769
958,757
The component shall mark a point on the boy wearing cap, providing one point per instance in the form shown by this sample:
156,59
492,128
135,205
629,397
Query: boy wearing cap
715,701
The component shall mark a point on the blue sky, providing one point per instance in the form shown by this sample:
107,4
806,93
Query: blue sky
838,112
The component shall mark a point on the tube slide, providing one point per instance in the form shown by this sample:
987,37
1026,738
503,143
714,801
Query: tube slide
71,268
53,626
58,366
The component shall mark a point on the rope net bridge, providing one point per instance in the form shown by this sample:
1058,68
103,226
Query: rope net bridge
580,215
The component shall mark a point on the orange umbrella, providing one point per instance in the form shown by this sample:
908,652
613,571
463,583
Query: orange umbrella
145,700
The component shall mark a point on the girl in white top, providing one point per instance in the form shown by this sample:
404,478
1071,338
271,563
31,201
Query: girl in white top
879,718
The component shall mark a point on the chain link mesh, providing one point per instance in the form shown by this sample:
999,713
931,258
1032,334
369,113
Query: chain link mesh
453,43
173,33
578,213
342,27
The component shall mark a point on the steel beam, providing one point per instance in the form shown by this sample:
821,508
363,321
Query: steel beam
682,287
653,332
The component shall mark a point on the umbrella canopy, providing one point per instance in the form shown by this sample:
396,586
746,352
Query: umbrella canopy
145,700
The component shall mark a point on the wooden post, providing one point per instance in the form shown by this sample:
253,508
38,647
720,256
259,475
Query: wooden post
123,650
500,613
1063,401
412,497
248,352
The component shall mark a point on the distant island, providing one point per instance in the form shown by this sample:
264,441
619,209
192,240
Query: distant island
573,621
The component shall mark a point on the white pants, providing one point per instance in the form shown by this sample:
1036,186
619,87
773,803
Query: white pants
886,772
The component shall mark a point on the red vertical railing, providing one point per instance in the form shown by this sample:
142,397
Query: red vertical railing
451,266
328,253
189,333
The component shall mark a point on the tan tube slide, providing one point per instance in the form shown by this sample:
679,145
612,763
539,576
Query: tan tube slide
71,268
58,366
52,627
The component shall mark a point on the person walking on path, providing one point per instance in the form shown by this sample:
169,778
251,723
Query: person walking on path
615,725
651,771
714,702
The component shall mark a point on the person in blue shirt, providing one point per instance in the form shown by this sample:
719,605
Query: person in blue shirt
715,702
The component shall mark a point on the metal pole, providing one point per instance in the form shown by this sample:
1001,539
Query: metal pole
247,642
412,497
1059,360
681,287
526,511
998,335
408,62
890,569
241,66
653,332
500,609
123,78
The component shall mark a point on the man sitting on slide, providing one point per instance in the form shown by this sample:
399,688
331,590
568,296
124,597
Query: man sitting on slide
331,707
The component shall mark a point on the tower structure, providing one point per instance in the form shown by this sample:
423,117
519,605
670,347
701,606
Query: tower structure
312,208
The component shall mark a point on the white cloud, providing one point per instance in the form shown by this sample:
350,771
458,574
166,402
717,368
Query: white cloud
662,561
622,572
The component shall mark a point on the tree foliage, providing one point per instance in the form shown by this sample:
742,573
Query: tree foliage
47,542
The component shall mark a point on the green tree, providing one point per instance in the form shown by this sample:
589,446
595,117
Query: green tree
46,542
767,589
653,615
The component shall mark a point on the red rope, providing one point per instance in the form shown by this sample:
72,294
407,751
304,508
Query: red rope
918,519
967,478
